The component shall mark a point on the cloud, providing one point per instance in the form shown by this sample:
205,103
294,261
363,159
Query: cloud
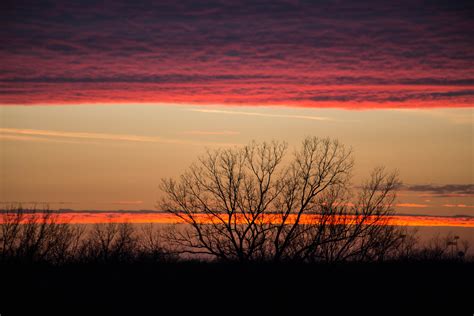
14,203
31,134
210,133
414,205
448,190
458,116
228,112
86,135
38,139
458,205
126,202
343,54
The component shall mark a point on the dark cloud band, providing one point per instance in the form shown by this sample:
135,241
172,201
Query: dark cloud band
448,190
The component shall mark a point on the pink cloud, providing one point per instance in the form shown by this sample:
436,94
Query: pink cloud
229,52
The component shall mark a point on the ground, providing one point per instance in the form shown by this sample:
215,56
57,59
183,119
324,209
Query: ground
218,288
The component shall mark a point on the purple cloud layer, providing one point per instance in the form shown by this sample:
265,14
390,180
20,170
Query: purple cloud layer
302,53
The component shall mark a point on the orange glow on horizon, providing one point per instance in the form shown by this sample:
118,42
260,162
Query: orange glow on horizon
166,218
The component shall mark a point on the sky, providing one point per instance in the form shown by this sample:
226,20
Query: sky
99,100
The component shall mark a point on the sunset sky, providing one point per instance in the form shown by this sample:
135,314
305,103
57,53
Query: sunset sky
101,99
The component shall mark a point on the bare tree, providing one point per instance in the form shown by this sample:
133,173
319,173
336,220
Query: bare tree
315,184
438,248
363,231
32,235
250,204
12,218
110,242
152,246
226,199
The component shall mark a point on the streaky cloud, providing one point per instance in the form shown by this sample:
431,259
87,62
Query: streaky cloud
270,115
414,205
210,133
446,190
29,134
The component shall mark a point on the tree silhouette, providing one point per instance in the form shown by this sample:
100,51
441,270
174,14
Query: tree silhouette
110,242
336,230
255,203
32,235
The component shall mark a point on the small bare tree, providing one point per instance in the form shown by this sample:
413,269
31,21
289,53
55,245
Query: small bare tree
152,246
248,204
438,248
12,218
31,235
110,242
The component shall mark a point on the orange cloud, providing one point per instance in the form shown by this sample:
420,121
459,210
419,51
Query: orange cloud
459,205
415,205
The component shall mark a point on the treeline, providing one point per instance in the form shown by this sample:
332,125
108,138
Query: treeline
42,239
36,236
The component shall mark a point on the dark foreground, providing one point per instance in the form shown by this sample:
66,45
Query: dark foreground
212,288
